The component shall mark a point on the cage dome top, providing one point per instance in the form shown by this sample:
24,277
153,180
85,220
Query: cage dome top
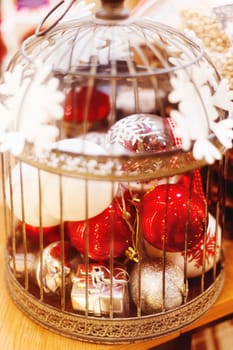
141,87
111,43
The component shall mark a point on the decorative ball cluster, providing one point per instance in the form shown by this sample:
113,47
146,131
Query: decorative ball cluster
224,64
208,29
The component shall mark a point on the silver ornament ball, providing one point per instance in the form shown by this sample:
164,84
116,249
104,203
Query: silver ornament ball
151,285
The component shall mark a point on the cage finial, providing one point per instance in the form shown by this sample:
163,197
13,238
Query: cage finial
112,10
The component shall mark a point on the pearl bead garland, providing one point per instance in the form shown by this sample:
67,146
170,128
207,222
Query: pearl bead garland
216,41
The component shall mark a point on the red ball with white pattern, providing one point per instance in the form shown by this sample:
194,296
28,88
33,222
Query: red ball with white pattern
194,263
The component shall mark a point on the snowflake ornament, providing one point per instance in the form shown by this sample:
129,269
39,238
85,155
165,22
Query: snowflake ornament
79,9
199,97
138,133
30,106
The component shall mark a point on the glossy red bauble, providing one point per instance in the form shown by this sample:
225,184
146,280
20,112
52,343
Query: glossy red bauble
50,234
86,104
168,213
3,50
105,233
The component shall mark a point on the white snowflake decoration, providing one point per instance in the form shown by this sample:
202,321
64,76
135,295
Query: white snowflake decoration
199,96
30,106
80,9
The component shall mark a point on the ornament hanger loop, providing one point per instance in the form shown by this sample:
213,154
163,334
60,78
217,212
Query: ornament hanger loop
39,31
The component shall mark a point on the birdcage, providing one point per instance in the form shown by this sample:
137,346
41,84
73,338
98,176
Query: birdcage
113,139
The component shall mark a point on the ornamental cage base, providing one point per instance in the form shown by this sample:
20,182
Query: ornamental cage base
118,330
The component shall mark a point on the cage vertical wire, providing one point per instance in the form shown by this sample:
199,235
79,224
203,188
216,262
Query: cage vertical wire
115,133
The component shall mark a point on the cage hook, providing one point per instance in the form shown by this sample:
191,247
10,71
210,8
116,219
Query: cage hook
39,31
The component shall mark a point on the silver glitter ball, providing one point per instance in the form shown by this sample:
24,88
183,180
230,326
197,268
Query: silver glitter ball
151,286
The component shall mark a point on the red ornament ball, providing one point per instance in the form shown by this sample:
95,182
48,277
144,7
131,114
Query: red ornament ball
168,212
50,234
113,223
86,104
3,50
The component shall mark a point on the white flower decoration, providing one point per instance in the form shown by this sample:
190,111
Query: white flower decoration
12,81
223,96
80,9
13,141
199,96
204,149
30,106
5,123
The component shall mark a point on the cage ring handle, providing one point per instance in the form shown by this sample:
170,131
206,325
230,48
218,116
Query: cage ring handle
39,31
